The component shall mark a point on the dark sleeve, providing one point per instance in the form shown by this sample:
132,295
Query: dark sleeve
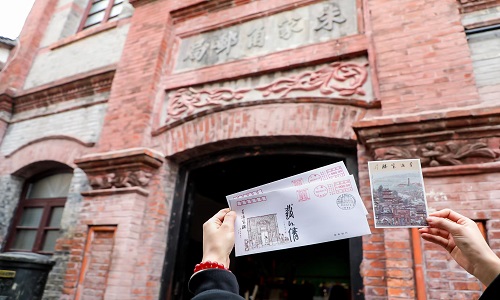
492,292
214,284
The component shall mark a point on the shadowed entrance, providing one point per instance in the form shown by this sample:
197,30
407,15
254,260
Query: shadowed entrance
311,272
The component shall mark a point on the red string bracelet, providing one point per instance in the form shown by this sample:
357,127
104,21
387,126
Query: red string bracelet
209,265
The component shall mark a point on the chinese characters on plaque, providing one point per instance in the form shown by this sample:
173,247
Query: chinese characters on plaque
318,22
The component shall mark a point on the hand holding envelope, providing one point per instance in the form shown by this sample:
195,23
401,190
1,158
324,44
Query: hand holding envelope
313,207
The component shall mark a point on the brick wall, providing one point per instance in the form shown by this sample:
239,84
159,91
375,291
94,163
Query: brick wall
422,57
10,191
94,52
55,281
82,124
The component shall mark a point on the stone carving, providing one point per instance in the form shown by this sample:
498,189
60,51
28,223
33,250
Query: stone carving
198,50
347,79
290,26
224,43
120,179
434,155
331,14
318,22
186,100
256,38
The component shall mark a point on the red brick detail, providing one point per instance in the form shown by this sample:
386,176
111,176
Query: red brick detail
423,59
475,5
135,85
6,102
44,150
204,8
96,262
140,239
29,41
273,120
94,84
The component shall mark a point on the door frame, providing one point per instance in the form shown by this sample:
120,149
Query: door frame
182,202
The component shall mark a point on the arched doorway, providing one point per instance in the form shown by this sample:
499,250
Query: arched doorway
301,273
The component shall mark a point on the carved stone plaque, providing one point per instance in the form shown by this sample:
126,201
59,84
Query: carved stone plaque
319,22
347,81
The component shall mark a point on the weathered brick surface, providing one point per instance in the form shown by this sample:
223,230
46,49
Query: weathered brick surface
52,65
55,281
420,61
422,56
83,124
10,191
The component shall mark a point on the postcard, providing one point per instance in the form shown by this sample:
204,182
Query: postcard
398,193
312,213
332,171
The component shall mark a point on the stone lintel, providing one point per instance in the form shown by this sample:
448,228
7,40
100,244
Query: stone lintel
121,171
439,139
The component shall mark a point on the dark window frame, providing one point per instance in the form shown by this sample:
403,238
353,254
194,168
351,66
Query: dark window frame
47,204
106,17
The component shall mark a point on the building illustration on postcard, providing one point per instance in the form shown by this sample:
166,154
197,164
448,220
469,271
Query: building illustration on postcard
398,193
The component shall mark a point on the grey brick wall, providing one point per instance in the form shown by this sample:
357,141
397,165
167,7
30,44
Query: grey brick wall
87,54
84,124
10,191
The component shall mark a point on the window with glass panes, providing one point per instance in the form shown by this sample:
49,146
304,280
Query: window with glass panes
38,219
101,11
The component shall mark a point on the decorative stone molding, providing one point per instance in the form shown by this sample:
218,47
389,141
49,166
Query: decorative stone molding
345,78
467,6
6,103
127,170
345,82
79,88
442,154
185,101
445,139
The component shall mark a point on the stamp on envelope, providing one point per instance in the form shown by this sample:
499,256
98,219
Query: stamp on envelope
343,186
346,202
320,191
314,177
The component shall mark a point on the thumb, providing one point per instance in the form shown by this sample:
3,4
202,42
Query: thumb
229,220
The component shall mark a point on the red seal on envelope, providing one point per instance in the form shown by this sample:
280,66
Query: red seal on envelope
346,202
314,177
320,191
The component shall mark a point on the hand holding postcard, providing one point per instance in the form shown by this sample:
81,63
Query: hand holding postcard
398,193
308,214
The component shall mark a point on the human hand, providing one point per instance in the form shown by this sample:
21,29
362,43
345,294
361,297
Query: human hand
218,237
461,237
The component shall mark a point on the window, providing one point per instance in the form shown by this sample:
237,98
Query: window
38,219
101,11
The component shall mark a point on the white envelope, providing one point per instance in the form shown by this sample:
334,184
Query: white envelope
319,212
335,170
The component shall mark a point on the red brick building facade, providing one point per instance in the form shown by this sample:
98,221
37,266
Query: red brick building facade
158,108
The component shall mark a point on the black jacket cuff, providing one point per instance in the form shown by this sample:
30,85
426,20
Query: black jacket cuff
210,283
